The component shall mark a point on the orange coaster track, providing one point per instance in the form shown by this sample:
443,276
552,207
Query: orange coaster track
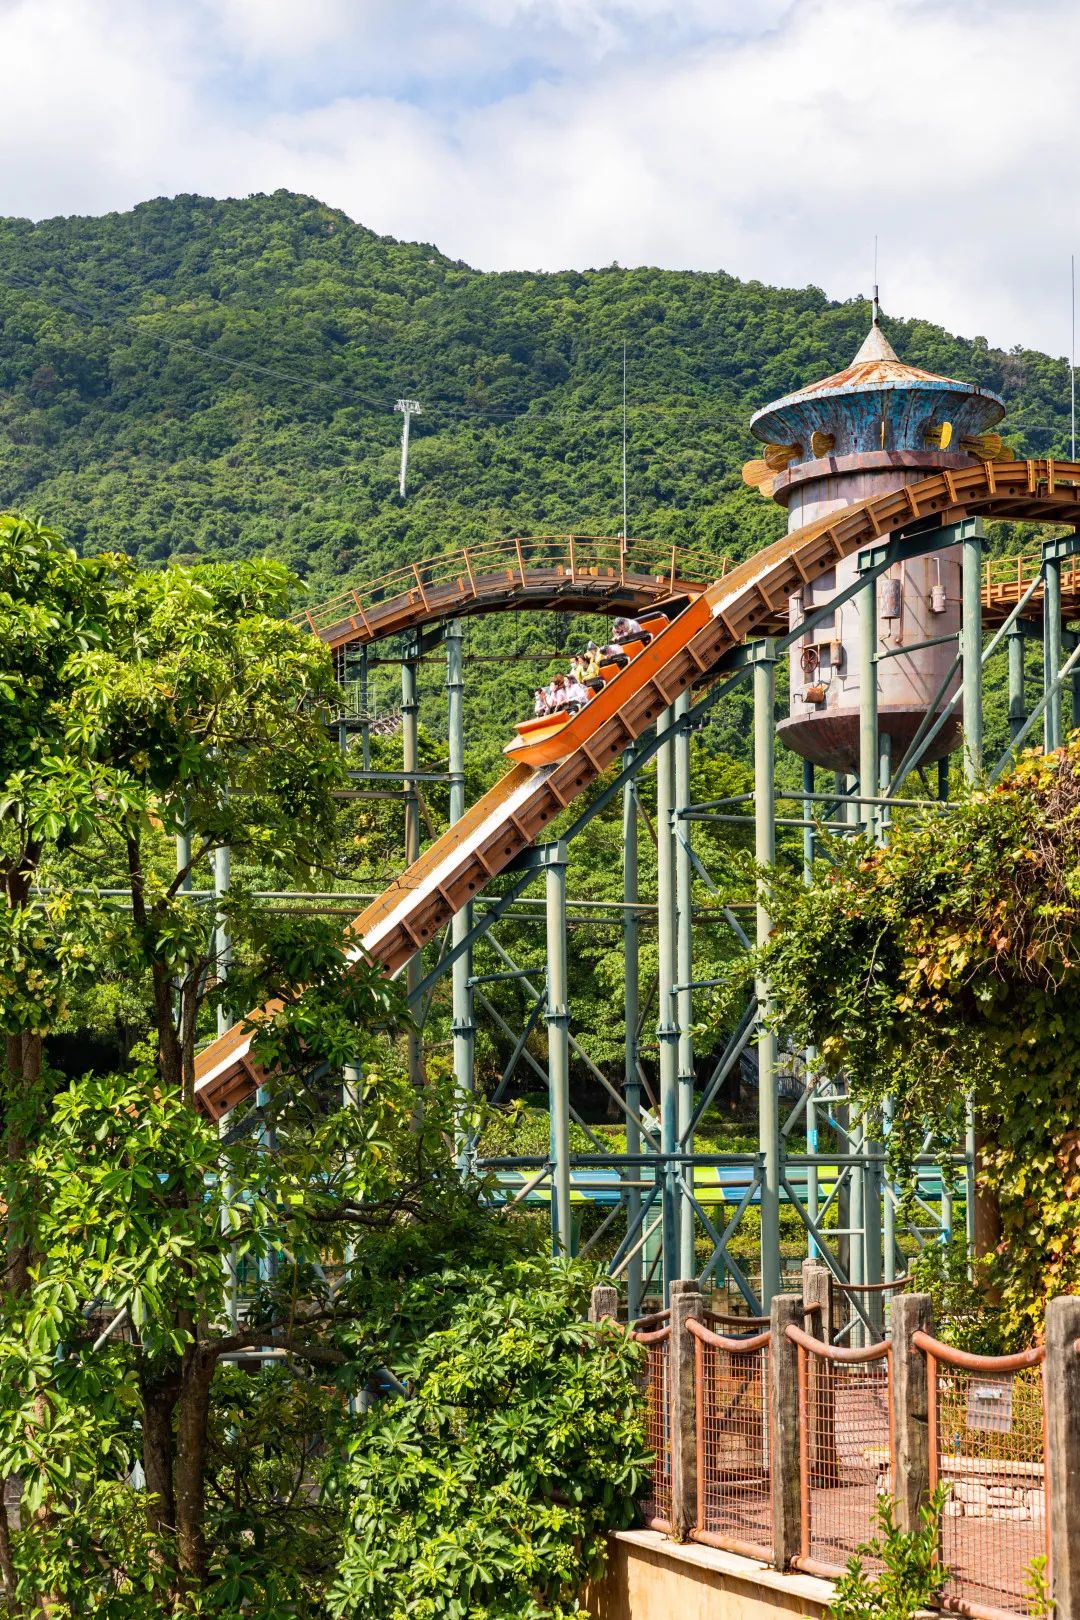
748,599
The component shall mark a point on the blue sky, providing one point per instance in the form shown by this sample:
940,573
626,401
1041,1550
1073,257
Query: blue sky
770,139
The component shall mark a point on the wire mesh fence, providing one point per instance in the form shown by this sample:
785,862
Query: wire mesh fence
861,1311
734,1476
846,1457
655,1386
988,1444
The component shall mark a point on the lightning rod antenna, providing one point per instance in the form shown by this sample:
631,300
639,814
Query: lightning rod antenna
876,316
625,531
1072,354
408,408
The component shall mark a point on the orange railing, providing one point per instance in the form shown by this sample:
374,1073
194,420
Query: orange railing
732,1434
460,576
655,1383
987,1424
846,1450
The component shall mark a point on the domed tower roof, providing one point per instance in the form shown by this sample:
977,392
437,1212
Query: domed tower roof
876,403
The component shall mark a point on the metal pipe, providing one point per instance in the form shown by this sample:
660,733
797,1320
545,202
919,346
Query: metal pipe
973,545
222,956
558,1025
1052,730
765,656
463,1023
868,698
667,1031
683,992
631,974
1017,696
410,706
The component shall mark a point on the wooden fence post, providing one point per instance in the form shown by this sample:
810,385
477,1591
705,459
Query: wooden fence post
817,1290
784,1429
686,1304
1062,1395
604,1302
911,1314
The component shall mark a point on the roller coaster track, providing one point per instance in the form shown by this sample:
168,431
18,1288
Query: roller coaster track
749,599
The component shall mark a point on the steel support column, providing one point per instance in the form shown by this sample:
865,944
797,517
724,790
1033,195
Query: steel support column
868,703
1017,698
222,961
463,1025
558,1031
764,662
410,706
667,1028
631,1077
1052,655
684,967
974,544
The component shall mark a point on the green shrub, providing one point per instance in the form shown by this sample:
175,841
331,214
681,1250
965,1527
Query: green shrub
490,1491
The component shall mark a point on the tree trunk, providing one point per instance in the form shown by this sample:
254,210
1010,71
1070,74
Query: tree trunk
159,1398
192,1423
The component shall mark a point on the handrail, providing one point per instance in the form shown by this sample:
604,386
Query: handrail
835,1352
970,1362
656,1337
871,1288
727,1320
738,1347
626,563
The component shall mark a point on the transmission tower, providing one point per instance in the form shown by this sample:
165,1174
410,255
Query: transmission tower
408,408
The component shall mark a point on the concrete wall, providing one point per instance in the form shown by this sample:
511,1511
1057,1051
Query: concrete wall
652,1578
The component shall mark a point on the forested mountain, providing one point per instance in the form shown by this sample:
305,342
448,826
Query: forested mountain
215,379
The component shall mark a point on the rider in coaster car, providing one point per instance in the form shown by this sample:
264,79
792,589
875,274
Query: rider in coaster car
576,693
629,629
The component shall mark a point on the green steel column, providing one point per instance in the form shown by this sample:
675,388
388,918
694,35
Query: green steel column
183,857
1052,658
222,959
764,658
684,967
1015,639
970,1190
410,706
558,1035
971,648
809,850
884,778
463,1026
667,1030
888,1208
365,721
813,1194
631,1079
868,703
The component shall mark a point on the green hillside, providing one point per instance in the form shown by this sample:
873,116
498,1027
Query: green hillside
215,379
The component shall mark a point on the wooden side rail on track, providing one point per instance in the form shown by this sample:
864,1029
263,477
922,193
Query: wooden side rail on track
568,573
740,604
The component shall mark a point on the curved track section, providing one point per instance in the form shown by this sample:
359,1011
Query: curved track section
564,573
746,601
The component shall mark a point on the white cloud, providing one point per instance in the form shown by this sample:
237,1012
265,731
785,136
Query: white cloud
547,133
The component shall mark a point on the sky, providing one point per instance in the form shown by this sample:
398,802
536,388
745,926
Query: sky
769,138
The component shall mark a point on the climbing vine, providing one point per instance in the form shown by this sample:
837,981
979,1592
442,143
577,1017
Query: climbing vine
944,965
